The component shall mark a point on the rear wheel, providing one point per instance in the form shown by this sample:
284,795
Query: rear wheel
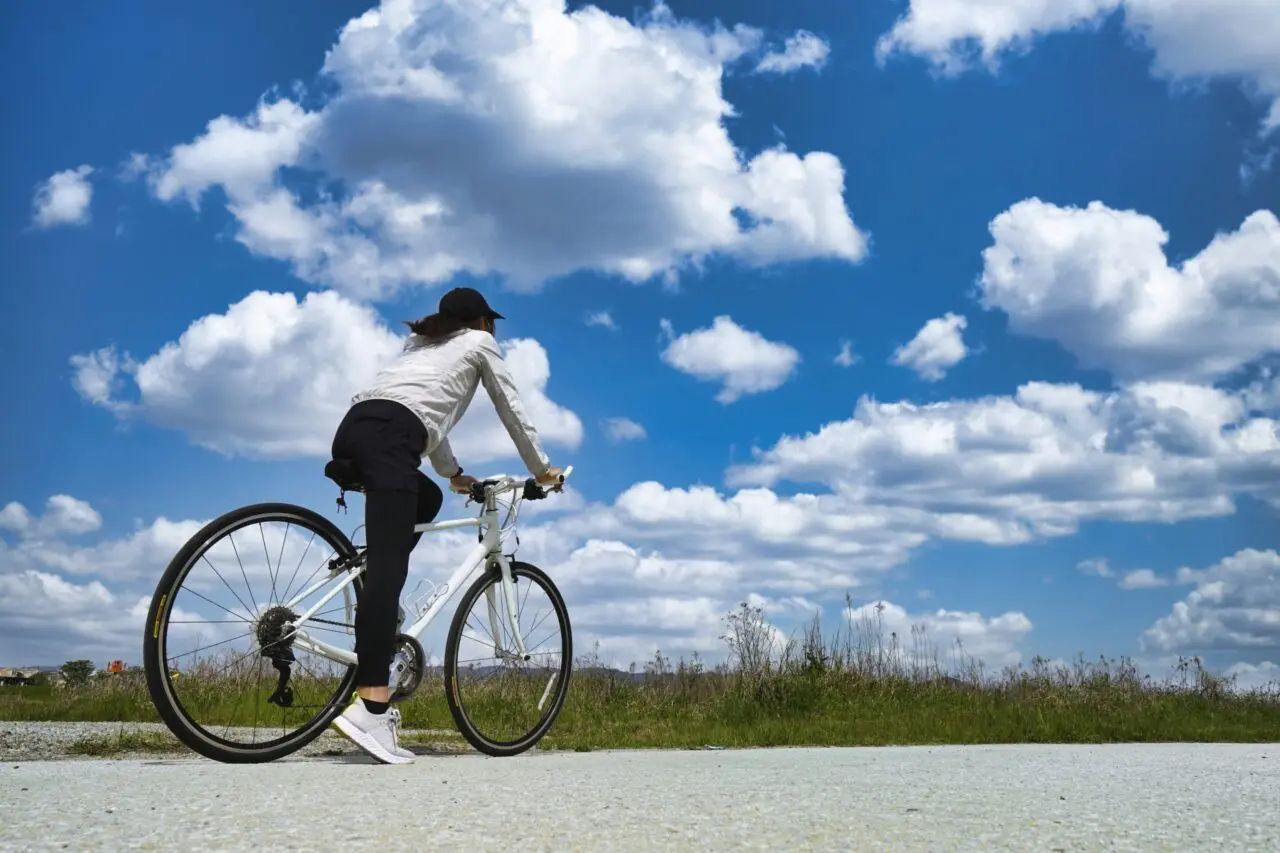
222,672
503,703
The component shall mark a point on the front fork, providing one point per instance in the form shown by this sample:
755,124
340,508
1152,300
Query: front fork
509,590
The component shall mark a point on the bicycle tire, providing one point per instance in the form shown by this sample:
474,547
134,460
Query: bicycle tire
488,746
167,705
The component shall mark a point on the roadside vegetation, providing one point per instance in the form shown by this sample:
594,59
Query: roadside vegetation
853,687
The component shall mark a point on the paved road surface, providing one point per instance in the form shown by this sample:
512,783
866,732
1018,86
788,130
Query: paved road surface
1018,798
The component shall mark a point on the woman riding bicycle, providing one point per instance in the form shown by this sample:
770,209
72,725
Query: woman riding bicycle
405,415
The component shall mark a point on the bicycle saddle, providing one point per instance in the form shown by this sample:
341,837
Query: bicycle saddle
346,473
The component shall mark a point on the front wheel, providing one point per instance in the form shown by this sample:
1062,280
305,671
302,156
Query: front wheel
504,702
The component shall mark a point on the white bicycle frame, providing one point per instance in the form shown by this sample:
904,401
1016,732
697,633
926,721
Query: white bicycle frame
488,548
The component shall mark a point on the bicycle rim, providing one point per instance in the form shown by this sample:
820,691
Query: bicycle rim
504,704
215,648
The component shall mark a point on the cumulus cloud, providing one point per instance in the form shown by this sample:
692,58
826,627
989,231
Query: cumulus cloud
63,198
14,516
240,155
1097,281
802,50
513,137
656,568
744,362
1251,676
936,348
63,515
1042,460
623,429
952,635
1235,605
273,376
46,619
659,566
1189,40
43,543
50,611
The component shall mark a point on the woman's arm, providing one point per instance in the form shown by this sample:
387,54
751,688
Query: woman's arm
506,399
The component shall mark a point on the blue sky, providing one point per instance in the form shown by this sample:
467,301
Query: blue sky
1049,198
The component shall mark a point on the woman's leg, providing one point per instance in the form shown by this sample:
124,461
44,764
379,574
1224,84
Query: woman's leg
430,499
389,519
386,441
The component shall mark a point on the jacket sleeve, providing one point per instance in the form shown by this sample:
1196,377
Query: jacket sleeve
506,399
443,460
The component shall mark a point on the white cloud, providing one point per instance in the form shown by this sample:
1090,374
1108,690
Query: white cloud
1250,675
63,199
63,516
66,515
602,318
48,614
802,50
1189,40
655,568
1095,566
46,619
951,633
273,376
136,165
14,516
1142,579
1041,461
793,545
241,156
623,429
953,35
936,348
511,137
43,544
744,362
1132,579
1097,281
1235,605
847,357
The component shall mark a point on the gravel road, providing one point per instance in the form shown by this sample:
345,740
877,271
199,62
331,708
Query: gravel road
29,741
1018,798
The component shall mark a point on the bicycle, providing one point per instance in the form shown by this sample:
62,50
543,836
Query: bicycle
283,628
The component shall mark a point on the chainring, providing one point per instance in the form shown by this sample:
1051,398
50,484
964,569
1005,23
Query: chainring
407,653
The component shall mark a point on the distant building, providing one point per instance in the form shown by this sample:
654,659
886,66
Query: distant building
21,676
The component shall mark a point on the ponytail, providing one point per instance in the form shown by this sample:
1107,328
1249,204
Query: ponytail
436,327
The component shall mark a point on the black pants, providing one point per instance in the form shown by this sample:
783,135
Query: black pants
386,440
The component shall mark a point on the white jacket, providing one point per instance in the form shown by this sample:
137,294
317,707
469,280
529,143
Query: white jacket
436,382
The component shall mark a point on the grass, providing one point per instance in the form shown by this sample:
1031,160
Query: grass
125,741
850,689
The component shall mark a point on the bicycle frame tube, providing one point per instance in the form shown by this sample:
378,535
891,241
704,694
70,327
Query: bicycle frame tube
490,547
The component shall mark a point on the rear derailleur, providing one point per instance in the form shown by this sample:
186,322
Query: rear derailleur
279,649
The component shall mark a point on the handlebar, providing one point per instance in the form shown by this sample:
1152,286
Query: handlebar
498,484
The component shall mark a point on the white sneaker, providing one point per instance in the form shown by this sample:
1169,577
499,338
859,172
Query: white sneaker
376,734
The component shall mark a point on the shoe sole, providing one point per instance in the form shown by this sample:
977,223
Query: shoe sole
366,742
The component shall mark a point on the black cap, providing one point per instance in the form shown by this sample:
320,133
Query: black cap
466,304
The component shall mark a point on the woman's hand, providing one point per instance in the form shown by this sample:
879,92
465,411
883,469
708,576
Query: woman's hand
551,477
462,483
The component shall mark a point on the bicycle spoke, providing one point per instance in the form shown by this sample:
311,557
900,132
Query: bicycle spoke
222,684
500,693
